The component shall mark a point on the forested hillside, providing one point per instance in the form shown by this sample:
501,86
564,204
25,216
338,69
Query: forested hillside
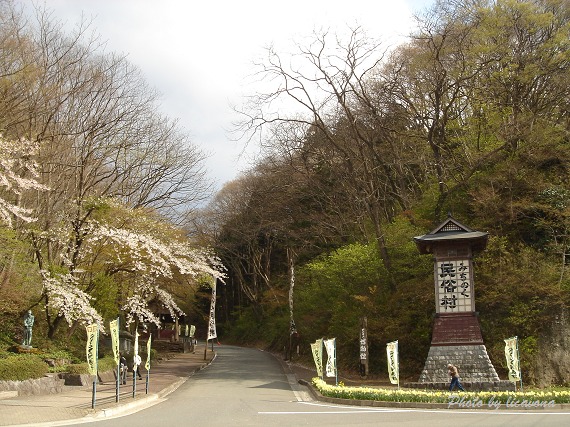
372,145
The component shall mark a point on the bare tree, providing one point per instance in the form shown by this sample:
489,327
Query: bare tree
343,124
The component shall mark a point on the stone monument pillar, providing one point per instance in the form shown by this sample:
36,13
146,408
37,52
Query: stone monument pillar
456,336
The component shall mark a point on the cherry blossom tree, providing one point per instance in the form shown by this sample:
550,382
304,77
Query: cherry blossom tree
18,173
100,135
142,252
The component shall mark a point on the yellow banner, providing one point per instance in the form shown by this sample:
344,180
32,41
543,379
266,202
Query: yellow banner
91,347
114,330
317,349
147,364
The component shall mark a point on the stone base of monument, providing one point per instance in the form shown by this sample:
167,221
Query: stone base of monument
475,368
24,349
502,385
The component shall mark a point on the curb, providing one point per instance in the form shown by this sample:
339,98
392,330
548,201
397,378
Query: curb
8,394
149,400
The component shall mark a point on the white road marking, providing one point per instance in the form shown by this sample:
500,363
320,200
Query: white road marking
339,409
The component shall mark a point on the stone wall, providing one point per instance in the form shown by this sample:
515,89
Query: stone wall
551,363
472,361
50,384
475,369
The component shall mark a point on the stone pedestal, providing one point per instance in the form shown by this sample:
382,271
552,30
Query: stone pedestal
475,369
472,360
457,339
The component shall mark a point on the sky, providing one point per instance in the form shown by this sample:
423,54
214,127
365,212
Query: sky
199,55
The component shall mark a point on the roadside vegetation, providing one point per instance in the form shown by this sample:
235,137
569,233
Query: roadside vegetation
468,117
97,189
102,197
533,399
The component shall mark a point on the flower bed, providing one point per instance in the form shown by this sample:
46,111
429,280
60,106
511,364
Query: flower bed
527,399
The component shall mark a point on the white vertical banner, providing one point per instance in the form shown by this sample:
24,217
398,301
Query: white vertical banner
212,324
317,349
136,349
330,346
148,344
512,355
292,327
393,366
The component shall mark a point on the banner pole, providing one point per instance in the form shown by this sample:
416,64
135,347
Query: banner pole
398,362
147,380
94,393
519,360
335,363
147,364
322,368
118,388
135,366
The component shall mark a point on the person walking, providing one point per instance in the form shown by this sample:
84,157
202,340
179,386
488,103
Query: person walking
123,369
137,361
454,374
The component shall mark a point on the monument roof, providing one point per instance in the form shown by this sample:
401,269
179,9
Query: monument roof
451,230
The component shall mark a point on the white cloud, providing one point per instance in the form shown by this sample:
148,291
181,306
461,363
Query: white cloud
197,54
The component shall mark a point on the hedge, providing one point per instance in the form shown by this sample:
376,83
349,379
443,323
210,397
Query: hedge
21,367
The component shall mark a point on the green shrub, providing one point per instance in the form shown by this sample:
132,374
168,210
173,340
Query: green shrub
22,367
57,355
78,368
104,364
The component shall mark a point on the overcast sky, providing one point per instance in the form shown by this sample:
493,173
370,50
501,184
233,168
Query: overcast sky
198,54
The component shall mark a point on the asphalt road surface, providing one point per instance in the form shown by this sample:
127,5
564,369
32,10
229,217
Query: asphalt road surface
247,387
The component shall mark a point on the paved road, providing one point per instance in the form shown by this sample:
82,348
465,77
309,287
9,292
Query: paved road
247,387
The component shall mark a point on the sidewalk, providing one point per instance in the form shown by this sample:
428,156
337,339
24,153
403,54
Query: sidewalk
73,405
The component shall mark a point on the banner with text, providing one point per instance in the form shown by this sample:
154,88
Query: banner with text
330,346
317,349
393,367
212,324
512,355
91,347
147,364
114,331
